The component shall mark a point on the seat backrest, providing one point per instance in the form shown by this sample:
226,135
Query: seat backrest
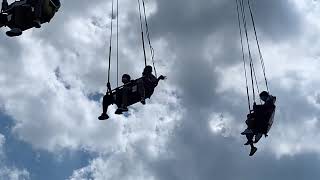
266,119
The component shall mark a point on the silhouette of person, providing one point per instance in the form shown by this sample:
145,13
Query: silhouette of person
258,119
148,81
108,99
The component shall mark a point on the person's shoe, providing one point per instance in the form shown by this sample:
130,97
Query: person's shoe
103,117
143,101
120,110
36,24
253,150
124,109
247,131
14,32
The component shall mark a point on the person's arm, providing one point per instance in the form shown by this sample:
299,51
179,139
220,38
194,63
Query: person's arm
155,80
161,78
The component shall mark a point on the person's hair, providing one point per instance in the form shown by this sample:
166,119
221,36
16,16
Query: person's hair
147,70
126,76
263,94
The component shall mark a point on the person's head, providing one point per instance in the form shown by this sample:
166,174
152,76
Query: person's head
264,95
147,70
126,78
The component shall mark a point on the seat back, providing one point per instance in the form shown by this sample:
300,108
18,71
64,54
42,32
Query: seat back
49,10
264,119
270,122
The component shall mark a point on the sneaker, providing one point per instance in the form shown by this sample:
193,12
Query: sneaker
253,150
103,117
14,32
124,109
143,101
247,131
36,24
121,110
118,111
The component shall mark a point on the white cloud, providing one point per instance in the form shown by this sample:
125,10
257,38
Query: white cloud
14,174
122,166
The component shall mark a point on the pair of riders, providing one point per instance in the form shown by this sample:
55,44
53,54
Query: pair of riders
40,8
258,120
147,82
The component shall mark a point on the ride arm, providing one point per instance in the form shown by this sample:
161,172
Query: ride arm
109,88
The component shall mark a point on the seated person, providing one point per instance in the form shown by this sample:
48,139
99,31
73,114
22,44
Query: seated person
149,81
108,99
258,119
43,12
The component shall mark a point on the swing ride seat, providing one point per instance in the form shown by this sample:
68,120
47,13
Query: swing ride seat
21,14
263,119
133,93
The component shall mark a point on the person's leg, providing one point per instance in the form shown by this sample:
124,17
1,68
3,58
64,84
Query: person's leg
38,13
5,5
124,105
18,18
249,139
124,101
142,91
247,131
105,104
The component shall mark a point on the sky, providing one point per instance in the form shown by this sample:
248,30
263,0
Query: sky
52,81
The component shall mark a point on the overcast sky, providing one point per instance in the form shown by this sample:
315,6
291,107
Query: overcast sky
52,81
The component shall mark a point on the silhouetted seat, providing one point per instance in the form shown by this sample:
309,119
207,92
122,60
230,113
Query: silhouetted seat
263,116
133,93
21,14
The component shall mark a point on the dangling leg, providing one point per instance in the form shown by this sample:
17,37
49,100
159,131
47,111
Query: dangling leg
250,142
38,13
124,105
106,102
249,123
4,5
142,91
17,18
249,139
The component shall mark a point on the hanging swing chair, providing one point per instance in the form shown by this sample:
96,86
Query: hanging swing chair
130,90
21,14
261,117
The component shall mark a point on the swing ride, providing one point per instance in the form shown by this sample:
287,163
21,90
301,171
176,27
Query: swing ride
260,117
